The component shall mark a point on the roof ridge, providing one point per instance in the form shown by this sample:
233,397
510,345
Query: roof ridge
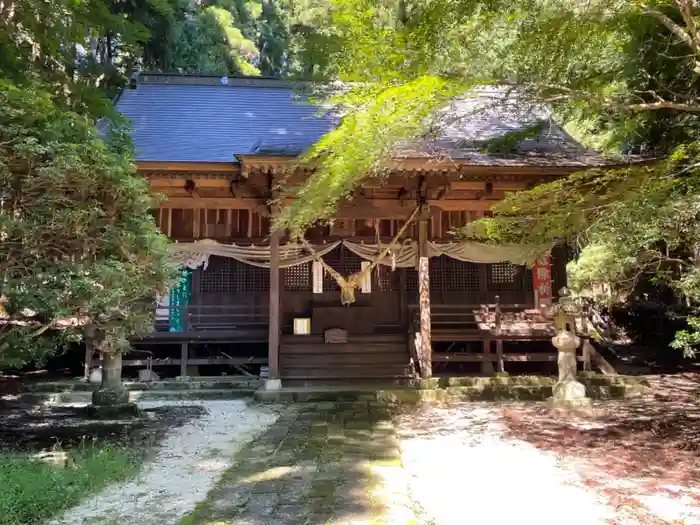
219,80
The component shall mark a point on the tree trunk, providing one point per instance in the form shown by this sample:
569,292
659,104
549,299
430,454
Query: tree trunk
111,391
111,400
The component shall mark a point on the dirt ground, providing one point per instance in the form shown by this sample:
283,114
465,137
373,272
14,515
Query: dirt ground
642,456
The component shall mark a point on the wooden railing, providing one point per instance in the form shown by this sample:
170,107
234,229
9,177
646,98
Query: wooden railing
491,325
198,318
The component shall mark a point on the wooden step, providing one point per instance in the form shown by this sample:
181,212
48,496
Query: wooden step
344,348
352,339
345,371
330,359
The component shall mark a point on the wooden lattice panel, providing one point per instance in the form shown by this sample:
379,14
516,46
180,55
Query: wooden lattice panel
411,280
387,279
297,278
451,275
502,277
228,275
218,277
251,278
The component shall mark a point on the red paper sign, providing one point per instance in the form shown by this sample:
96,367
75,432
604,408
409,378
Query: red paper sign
542,282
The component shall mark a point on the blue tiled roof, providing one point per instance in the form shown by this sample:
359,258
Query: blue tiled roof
202,119
210,123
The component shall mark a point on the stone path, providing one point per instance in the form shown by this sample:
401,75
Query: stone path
319,464
189,462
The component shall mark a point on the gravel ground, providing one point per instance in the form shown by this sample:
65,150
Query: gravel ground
189,462
464,469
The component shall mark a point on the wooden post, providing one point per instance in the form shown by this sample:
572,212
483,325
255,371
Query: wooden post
499,342
184,355
274,321
404,318
499,356
486,364
426,350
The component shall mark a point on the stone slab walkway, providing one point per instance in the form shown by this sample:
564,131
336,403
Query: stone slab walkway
319,464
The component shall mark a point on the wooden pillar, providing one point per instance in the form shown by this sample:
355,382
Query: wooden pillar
274,321
426,349
403,299
487,363
184,356
499,356
500,365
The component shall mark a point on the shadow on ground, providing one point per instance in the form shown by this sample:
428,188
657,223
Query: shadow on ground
29,427
644,446
318,464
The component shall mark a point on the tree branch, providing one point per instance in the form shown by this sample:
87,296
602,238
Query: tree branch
676,29
689,35
664,104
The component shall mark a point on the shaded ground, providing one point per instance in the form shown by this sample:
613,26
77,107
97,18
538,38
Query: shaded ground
25,427
641,456
322,463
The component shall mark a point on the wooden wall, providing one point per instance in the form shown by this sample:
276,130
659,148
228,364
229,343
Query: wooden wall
220,224
228,225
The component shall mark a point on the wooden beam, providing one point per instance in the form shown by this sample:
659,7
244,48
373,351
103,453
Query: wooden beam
201,182
480,185
463,204
233,203
459,357
202,167
432,165
375,209
274,312
358,209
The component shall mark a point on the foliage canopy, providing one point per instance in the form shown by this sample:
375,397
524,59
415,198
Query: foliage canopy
622,75
79,244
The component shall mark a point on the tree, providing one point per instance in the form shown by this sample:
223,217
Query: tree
79,244
622,75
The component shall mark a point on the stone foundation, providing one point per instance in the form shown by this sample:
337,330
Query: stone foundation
120,411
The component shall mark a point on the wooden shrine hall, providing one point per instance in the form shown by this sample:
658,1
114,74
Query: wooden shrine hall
219,148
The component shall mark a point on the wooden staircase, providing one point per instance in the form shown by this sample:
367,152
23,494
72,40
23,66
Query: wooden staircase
372,358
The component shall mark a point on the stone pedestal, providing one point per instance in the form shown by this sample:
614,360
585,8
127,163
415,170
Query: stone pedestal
273,384
111,400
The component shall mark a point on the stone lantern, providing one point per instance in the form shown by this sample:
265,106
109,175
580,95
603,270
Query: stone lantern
568,392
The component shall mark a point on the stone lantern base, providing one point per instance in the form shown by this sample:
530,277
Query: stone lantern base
570,396
111,403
